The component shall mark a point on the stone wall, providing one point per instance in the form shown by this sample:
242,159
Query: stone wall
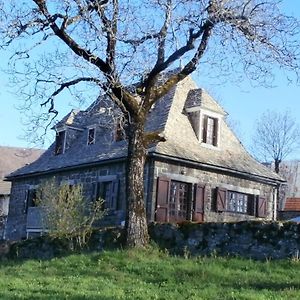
16,224
212,180
257,240
248,239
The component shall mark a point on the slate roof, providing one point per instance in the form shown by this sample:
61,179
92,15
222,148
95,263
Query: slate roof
168,116
11,159
199,97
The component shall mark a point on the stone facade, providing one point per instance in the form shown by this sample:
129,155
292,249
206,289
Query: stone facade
200,173
212,180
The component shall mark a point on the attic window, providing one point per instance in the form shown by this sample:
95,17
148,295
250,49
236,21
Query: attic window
60,142
210,130
91,136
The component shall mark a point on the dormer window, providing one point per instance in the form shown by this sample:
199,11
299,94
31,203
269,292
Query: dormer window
210,130
91,136
60,142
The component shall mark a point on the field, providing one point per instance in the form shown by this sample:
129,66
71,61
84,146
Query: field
148,274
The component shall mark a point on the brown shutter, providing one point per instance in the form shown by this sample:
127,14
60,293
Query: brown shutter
114,194
251,205
221,199
215,133
162,199
261,207
200,193
204,129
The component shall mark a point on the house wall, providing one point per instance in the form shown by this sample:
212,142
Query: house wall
212,180
16,224
17,219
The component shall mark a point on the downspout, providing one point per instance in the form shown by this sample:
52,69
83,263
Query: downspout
275,193
149,201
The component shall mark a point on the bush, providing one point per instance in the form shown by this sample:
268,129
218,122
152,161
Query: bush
66,214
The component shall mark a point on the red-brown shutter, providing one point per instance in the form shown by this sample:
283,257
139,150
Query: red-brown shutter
261,207
199,199
221,199
162,199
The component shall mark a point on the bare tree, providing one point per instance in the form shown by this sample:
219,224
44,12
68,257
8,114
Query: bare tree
113,44
276,136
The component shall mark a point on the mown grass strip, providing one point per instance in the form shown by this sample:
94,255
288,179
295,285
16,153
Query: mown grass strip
148,274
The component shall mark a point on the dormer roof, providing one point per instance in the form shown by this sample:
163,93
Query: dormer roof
199,98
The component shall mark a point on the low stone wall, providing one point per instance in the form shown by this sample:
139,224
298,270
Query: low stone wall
250,239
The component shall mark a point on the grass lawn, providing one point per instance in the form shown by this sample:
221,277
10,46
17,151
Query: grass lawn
149,274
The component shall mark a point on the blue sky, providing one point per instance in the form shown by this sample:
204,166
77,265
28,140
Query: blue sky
243,103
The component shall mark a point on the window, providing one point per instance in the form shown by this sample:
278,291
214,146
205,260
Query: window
60,142
91,136
31,197
210,130
173,200
107,191
237,202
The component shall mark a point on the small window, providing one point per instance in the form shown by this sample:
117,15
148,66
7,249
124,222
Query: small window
31,198
236,202
107,191
60,142
91,136
210,130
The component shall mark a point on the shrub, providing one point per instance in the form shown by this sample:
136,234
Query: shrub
66,214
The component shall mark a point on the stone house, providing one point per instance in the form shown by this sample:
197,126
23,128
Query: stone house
290,205
201,173
11,159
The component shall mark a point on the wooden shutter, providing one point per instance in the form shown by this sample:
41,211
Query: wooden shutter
162,199
199,199
113,199
261,207
215,133
221,199
251,205
204,129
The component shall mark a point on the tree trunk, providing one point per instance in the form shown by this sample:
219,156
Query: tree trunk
277,165
136,222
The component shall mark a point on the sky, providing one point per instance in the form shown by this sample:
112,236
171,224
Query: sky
244,103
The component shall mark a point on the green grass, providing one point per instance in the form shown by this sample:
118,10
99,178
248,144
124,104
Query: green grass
149,274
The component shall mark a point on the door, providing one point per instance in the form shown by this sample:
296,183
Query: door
179,201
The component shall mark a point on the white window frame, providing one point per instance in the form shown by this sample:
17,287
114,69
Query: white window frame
218,118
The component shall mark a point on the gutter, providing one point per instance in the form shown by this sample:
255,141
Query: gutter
68,168
162,157
209,167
